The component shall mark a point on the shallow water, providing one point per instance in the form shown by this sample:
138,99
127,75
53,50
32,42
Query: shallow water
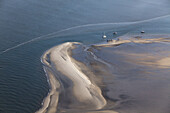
23,83
138,80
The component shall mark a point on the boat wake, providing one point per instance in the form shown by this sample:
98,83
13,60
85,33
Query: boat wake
92,27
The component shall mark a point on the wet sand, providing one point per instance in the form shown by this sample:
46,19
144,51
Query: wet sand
133,40
127,76
83,93
139,81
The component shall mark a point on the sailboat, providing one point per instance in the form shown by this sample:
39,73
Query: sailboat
142,31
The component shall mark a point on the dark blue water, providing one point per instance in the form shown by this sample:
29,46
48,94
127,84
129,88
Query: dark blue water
23,83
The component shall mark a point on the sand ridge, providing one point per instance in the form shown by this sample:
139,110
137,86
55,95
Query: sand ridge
132,40
85,92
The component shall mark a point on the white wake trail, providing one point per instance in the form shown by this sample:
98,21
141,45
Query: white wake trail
52,35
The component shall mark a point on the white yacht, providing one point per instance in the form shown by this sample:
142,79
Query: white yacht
104,36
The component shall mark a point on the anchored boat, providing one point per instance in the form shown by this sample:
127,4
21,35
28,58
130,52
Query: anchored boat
104,36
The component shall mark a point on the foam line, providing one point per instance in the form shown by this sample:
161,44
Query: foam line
51,35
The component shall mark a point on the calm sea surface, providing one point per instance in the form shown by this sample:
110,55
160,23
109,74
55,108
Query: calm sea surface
23,83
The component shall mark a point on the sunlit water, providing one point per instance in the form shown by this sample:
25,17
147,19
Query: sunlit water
28,28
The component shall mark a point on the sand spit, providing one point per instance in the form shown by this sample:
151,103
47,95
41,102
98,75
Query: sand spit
84,92
134,40
51,101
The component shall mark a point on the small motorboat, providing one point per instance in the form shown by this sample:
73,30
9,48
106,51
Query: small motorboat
104,36
142,31
115,33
